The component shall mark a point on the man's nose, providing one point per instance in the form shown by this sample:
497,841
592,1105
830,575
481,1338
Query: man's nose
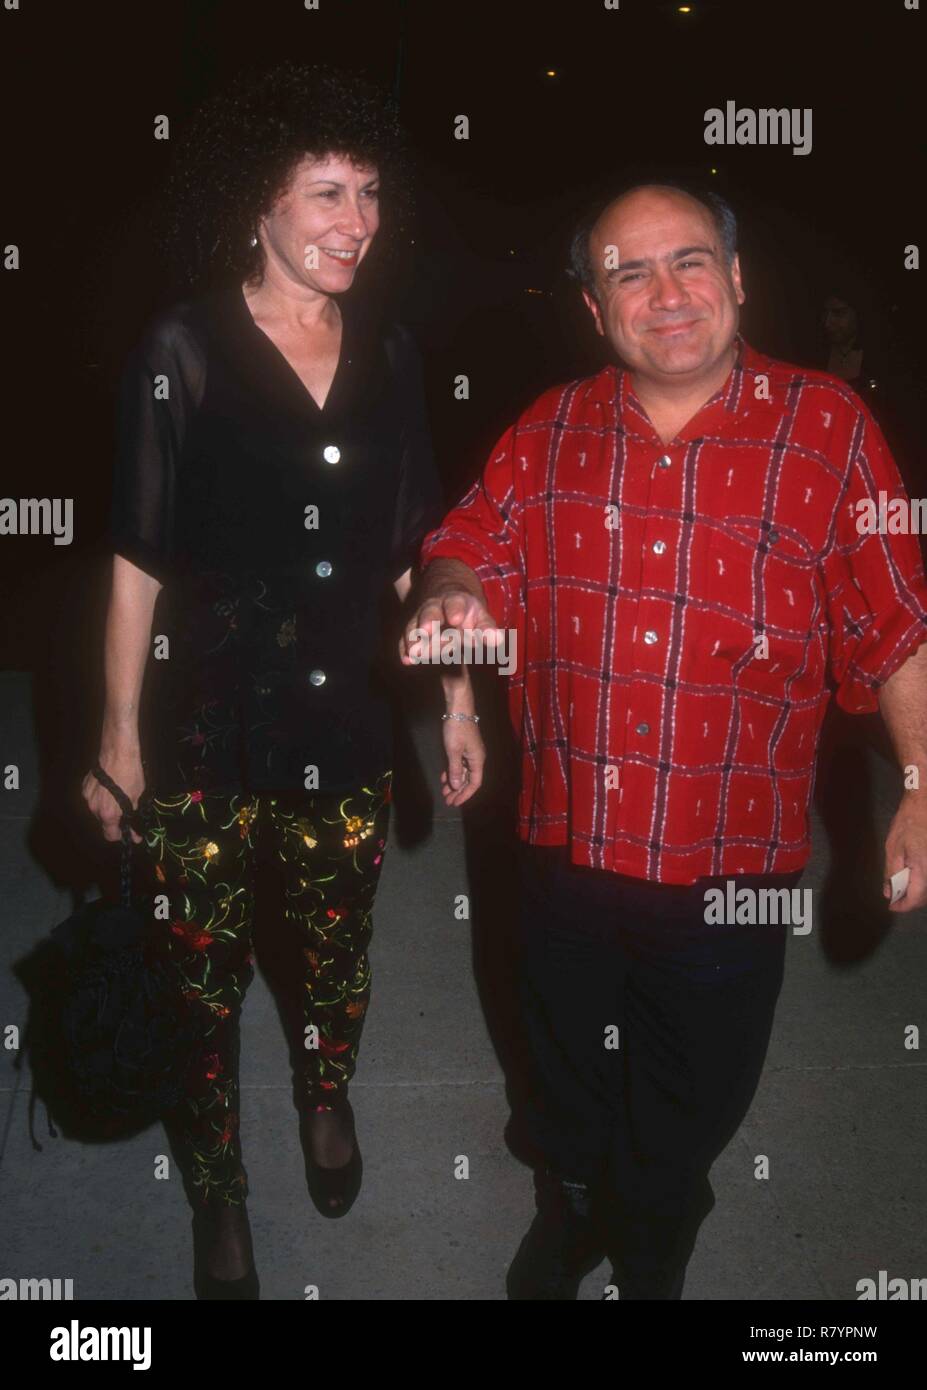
668,291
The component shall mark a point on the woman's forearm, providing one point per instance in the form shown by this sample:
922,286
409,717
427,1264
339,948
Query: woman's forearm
458,690
126,645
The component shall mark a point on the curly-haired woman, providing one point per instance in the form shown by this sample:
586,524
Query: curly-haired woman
273,478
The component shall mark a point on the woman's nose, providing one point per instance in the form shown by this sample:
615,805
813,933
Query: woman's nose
354,223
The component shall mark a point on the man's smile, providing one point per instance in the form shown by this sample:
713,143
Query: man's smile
669,330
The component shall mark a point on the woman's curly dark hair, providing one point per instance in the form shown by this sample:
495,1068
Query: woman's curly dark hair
244,142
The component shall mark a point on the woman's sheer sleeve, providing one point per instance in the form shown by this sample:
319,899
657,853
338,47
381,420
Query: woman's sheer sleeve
420,502
160,386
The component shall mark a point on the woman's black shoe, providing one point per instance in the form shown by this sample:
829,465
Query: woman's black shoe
333,1190
208,1286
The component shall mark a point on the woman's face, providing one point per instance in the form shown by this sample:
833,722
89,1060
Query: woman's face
321,226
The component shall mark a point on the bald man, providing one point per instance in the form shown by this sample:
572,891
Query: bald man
675,544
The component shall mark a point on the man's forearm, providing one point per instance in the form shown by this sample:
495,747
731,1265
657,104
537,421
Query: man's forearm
444,576
903,702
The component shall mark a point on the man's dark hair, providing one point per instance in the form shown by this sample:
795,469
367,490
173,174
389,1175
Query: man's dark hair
721,212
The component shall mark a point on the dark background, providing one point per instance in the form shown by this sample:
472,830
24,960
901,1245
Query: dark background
484,287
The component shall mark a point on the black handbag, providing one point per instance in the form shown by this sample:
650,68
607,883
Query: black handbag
110,1037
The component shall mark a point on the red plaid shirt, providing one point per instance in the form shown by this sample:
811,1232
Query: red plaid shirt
657,738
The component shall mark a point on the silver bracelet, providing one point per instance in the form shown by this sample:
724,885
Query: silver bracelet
473,718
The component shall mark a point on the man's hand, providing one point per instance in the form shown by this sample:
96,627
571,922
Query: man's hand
903,703
906,848
449,595
466,756
453,608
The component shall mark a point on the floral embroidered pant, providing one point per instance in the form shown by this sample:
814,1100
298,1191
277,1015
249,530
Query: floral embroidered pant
201,846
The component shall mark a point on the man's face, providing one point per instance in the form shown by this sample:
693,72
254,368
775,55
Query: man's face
839,321
328,212
670,308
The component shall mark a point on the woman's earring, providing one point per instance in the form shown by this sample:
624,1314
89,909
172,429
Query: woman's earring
254,240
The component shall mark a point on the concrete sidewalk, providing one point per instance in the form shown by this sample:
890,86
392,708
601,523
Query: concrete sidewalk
840,1114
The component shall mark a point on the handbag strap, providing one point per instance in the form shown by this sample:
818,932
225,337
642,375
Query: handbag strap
128,816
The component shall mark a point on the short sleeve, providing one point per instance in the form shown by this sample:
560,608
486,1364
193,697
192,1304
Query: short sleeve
160,386
420,499
484,531
874,575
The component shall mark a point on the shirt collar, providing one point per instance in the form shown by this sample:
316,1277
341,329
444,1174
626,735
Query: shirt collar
728,401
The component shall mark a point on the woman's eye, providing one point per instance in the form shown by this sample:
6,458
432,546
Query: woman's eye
372,192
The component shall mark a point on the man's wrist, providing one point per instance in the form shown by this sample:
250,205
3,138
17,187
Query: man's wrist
443,577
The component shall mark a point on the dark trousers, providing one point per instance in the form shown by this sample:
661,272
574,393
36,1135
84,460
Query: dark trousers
693,1006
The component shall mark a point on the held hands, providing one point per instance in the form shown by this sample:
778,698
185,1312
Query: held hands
906,848
452,606
449,608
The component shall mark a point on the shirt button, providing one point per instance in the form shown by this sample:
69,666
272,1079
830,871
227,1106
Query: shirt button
331,453
659,547
665,461
323,569
316,677
650,637
643,729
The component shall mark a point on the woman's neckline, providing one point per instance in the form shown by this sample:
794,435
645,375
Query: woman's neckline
273,353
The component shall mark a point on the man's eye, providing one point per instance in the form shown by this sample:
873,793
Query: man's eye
626,279
696,264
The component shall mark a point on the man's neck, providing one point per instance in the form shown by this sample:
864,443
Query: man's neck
671,405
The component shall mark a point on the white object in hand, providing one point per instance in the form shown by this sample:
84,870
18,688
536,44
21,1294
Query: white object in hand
899,883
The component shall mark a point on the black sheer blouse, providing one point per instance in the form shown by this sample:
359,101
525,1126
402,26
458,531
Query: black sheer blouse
275,528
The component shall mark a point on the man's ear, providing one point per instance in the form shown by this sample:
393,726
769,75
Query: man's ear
592,304
738,283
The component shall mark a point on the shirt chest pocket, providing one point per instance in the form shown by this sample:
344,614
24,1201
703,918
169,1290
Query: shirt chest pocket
761,582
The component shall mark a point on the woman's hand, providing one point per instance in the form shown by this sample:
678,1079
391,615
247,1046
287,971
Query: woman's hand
125,768
466,756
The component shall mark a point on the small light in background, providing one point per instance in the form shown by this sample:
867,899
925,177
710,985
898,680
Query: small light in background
551,72
712,171
683,9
